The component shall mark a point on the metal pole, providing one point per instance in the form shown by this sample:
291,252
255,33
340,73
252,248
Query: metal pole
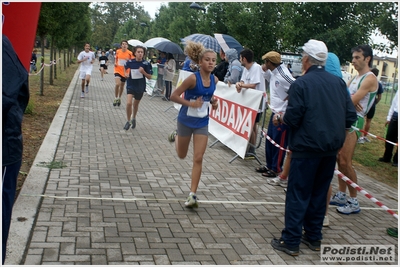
394,79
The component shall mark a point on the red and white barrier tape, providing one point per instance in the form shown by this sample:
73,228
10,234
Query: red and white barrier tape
365,193
347,180
54,62
377,137
273,142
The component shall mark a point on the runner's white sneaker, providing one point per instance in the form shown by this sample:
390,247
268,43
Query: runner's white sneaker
171,136
191,201
338,200
349,208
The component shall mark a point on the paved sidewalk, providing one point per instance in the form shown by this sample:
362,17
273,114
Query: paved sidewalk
119,198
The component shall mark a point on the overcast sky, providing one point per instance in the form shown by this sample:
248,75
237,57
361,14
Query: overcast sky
152,7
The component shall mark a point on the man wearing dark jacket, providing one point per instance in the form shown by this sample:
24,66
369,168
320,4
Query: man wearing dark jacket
319,112
221,69
15,99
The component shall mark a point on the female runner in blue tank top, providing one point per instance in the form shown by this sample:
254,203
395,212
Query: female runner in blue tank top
197,91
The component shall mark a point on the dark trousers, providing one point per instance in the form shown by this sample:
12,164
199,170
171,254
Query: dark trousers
305,204
168,89
275,156
10,176
391,135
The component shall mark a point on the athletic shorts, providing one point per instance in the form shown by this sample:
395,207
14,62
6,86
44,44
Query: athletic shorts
136,94
185,131
104,66
371,112
358,124
82,74
117,75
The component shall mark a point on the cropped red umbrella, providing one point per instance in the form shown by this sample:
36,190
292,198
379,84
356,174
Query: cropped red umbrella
227,41
169,47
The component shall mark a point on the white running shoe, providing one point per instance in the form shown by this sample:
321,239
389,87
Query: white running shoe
361,140
191,201
171,136
326,221
338,200
278,181
349,208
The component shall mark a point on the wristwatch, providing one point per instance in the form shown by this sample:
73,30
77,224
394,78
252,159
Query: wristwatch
278,117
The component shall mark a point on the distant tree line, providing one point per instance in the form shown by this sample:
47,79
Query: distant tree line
260,26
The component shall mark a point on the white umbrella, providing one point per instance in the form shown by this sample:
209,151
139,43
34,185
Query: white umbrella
156,40
134,42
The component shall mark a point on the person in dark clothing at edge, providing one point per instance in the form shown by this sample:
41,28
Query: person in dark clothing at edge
319,114
222,67
15,100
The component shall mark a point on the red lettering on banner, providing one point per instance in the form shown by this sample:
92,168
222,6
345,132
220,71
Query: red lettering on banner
237,118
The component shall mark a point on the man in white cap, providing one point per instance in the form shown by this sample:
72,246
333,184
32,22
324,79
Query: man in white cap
318,113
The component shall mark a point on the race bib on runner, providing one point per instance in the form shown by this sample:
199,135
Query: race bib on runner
198,112
102,62
135,74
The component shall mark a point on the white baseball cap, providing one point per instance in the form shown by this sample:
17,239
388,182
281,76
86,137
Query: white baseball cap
316,49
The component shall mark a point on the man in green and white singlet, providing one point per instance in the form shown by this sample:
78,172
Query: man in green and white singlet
363,89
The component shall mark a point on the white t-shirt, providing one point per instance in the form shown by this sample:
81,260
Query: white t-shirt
279,80
86,65
254,75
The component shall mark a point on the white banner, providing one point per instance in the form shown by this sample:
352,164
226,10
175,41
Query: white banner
233,121
150,84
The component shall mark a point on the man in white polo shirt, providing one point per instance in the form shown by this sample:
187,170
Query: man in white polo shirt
252,78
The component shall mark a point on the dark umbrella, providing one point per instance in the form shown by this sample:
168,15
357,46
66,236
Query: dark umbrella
169,47
227,41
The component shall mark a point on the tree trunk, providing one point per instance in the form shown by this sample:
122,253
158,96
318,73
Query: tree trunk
65,62
51,60
41,65
55,61
59,61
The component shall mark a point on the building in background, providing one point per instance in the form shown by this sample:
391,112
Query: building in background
388,68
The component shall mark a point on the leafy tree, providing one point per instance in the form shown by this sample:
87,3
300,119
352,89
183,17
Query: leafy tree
384,18
340,25
176,21
108,17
